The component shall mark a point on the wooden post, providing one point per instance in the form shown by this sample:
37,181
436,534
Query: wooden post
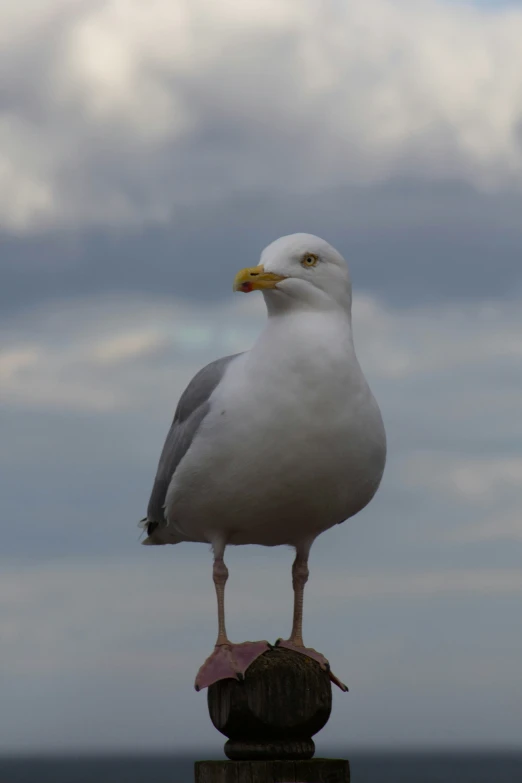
313,771
270,719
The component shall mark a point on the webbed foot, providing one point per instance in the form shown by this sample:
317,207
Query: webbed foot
229,661
316,656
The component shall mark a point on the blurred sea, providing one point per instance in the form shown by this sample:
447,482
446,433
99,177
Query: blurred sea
366,768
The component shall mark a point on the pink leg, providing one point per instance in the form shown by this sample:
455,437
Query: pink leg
295,642
228,660
300,575
220,576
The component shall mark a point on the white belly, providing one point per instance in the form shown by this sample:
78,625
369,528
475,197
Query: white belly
285,453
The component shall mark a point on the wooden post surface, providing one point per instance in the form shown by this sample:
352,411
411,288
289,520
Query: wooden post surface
270,718
310,771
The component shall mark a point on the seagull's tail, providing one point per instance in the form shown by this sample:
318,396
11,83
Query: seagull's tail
148,526
159,533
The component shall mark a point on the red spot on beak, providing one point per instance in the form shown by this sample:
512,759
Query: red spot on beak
246,287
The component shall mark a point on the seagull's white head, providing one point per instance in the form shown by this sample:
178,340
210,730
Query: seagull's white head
299,270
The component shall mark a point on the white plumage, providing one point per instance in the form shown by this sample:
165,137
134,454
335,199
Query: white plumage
280,443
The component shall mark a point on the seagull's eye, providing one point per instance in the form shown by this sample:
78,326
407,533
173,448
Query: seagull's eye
309,259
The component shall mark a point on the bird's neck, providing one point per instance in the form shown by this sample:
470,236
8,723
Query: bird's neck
310,300
300,332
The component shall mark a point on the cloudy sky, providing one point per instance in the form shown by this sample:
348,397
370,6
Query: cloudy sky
147,151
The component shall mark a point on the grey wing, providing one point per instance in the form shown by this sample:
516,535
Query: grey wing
192,408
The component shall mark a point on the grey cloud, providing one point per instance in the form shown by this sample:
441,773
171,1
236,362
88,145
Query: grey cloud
405,242
114,115
96,644
151,162
141,163
412,600
86,404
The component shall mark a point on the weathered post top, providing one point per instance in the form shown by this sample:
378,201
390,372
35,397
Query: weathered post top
270,718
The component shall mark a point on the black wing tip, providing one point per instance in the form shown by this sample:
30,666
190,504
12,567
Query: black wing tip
148,526
151,527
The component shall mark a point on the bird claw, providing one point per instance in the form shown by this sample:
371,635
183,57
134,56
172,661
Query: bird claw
229,661
316,656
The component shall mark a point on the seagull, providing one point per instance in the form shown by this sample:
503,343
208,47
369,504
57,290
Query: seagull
275,445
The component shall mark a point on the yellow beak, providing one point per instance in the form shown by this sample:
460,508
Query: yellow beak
255,278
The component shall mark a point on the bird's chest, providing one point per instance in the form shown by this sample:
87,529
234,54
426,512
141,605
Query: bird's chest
286,437
301,412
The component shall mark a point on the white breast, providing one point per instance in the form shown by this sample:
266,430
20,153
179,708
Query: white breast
293,443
